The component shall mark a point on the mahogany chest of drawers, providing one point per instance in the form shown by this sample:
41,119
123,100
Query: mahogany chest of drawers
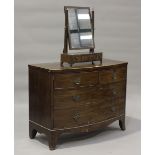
75,99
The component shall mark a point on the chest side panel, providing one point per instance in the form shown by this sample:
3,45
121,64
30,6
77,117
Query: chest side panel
40,96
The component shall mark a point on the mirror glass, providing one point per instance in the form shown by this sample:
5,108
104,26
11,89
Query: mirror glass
80,28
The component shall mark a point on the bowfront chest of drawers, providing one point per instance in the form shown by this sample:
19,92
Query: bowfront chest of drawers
75,99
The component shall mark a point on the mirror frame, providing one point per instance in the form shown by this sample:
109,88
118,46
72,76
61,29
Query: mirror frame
67,26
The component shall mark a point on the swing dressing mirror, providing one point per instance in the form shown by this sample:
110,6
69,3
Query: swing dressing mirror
79,34
80,28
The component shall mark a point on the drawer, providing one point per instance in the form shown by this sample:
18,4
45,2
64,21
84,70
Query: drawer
114,74
74,98
87,96
85,115
74,80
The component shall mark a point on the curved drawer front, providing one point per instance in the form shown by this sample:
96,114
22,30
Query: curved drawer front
86,96
75,80
83,98
88,114
114,74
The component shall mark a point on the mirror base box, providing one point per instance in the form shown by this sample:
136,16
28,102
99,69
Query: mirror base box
81,57
78,99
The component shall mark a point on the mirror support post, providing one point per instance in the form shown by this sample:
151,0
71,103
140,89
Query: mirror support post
92,22
65,50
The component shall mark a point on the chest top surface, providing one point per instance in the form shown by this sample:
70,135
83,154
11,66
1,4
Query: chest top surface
56,66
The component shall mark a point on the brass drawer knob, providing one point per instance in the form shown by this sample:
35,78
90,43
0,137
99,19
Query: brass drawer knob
76,98
77,81
76,116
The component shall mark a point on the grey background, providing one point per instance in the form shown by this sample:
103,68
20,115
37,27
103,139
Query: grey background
39,29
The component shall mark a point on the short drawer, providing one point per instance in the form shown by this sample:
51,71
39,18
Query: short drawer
74,80
114,74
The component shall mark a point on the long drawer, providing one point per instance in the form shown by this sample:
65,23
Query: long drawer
66,118
80,97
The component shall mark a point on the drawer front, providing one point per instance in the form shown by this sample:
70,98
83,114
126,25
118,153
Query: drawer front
79,97
88,114
75,80
114,74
